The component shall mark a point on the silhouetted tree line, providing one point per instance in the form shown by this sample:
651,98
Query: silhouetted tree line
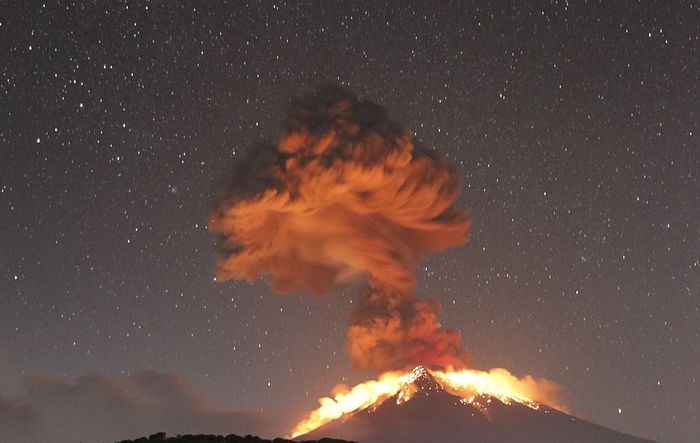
160,437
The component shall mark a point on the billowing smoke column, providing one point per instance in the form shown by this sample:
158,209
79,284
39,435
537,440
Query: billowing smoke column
346,195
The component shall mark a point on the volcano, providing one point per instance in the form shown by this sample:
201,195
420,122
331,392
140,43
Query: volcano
427,409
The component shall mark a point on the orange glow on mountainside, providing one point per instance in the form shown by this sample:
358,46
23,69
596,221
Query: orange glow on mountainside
472,386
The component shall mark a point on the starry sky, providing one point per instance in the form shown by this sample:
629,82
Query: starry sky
573,125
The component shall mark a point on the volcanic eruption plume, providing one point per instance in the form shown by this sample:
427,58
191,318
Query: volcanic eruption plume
347,195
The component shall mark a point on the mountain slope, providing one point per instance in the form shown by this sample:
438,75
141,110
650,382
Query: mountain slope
160,437
433,414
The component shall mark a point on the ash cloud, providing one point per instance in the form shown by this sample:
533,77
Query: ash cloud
96,408
347,195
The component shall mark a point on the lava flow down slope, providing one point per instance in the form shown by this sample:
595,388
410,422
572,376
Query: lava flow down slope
463,406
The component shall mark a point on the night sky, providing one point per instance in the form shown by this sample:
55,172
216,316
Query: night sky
573,125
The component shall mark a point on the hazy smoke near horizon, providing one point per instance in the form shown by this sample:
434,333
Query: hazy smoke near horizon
346,195
102,408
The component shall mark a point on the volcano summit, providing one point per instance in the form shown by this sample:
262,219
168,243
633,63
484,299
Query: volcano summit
430,406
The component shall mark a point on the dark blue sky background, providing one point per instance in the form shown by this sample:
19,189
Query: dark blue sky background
574,127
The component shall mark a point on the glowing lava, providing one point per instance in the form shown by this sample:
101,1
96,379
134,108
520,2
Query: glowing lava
472,386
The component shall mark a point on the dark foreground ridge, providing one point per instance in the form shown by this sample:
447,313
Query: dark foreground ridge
233,438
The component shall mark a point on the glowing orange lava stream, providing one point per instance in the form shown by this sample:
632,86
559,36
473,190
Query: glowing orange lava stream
468,384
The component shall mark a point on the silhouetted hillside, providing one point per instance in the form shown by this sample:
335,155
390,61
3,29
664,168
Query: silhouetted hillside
232,438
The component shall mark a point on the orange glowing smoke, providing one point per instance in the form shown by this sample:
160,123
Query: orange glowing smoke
347,195
470,385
